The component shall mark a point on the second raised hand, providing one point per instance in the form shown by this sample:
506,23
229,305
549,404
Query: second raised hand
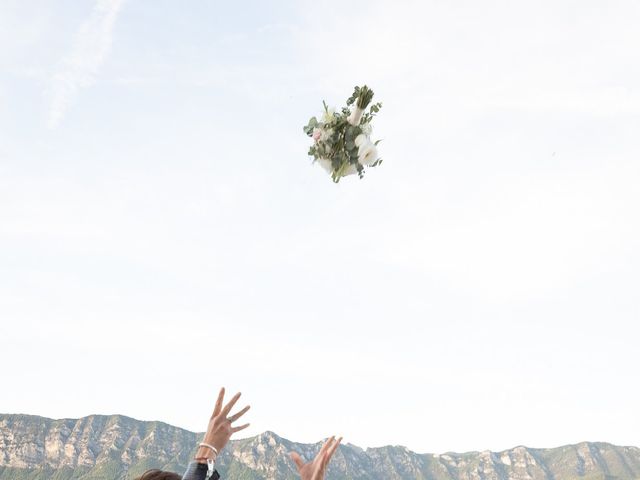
220,426
316,469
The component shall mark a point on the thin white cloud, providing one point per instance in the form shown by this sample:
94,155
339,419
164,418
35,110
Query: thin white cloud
90,49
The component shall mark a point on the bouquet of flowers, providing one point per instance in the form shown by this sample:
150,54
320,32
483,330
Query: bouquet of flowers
341,140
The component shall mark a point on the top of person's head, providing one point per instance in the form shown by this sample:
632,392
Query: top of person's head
158,475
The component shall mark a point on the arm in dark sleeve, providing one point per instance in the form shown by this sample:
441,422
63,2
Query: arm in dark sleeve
198,471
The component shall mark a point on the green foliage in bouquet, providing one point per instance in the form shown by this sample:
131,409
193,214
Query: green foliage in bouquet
342,143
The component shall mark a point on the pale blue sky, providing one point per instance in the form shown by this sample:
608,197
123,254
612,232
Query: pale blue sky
162,229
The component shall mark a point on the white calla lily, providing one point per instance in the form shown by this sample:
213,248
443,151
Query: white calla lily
367,154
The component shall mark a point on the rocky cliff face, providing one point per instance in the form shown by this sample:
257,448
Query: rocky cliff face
117,447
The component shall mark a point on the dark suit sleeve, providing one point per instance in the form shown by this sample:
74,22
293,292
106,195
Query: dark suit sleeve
198,471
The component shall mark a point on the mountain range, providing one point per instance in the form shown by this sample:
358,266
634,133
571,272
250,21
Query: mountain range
116,447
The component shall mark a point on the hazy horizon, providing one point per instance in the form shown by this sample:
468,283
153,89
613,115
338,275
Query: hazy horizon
240,436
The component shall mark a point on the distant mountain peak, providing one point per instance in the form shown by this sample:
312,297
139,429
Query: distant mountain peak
120,447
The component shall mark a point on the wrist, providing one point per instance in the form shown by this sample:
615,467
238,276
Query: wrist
204,452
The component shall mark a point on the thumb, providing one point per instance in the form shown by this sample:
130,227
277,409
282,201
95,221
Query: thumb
296,459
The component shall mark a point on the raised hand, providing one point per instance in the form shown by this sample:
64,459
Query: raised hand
316,469
220,426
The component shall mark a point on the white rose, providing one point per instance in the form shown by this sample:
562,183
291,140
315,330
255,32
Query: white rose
367,154
361,139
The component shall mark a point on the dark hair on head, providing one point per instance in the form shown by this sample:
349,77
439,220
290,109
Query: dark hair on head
156,474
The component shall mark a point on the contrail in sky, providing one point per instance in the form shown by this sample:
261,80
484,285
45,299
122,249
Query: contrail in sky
79,69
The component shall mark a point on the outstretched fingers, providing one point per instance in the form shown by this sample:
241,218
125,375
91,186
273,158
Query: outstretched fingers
218,406
333,449
319,460
241,427
326,445
236,416
297,459
326,456
227,408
